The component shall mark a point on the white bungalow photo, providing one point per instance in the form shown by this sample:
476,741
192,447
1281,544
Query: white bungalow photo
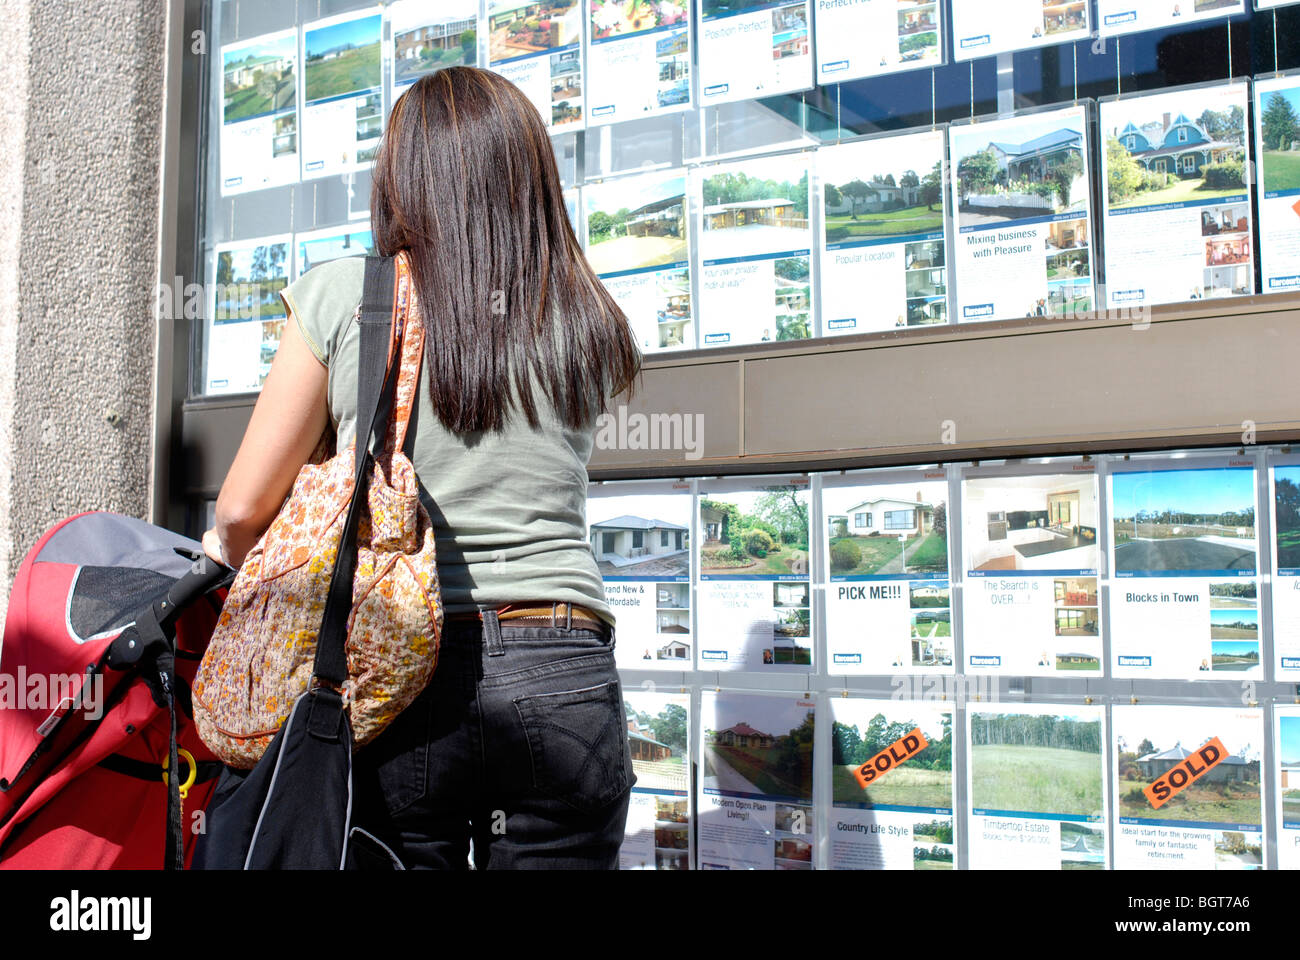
892,528
629,546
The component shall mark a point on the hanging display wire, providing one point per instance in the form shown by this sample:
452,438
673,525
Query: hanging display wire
933,106
1227,25
1118,83
1074,49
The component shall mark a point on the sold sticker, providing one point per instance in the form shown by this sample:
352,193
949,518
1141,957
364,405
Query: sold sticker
892,756
1185,773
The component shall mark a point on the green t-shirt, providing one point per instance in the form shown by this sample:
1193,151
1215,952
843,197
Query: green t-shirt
508,508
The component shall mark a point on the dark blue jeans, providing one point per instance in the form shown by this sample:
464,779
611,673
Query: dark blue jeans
519,741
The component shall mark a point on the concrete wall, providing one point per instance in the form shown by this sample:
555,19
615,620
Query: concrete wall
79,184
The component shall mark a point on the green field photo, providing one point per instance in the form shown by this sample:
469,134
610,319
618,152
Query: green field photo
1036,763
1281,170
890,223
353,71
906,786
1035,779
343,58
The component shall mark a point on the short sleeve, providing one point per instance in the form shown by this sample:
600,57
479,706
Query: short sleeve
323,300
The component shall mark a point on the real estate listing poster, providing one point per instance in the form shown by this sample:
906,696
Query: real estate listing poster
1129,16
1277,145
637,244
638,59
984,28
658,833
755,803
537,45
755,251
753,48
865,38
888,610
755,610
640,534
343,94
245,313
1286,753
1184,586
1284,499
1177,205
1188,788
1035,775
259,113
903,818
1030,599
883,206
332,243
1024,239
427,37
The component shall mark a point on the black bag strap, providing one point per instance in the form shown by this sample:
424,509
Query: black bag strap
374,399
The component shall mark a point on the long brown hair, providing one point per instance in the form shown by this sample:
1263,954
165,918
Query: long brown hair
465,181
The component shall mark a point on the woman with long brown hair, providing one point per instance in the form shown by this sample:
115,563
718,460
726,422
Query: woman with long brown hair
519,742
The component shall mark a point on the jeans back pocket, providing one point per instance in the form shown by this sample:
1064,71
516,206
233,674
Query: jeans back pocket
578,743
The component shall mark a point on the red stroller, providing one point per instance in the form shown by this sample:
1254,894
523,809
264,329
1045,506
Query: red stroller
107,622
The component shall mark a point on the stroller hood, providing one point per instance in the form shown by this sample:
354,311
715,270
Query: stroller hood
78,589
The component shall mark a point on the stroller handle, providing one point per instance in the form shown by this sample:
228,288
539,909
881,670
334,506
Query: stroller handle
204,575
156,624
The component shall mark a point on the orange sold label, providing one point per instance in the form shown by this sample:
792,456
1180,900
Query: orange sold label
1185,773
898,752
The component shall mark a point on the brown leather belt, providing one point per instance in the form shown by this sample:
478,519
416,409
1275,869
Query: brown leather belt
550,614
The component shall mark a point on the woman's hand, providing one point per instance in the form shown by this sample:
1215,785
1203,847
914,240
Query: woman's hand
212,546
